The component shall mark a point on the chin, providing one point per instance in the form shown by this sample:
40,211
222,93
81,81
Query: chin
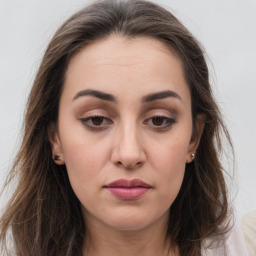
134,224
132,220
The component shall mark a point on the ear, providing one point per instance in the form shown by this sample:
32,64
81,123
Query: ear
56,147
195,138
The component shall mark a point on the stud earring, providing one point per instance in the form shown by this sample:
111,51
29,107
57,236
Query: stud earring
56,158
193,156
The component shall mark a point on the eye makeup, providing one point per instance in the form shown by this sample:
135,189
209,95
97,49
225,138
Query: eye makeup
99,115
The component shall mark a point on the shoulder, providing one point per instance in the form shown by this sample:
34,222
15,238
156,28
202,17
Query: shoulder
232,244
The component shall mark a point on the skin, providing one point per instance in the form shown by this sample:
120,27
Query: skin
127,143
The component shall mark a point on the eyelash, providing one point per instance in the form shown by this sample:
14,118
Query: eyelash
168,122
93,126
88,122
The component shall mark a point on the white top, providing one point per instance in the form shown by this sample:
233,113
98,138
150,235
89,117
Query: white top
249,228
234,245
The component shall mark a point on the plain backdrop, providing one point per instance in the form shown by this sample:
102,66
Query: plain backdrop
227,30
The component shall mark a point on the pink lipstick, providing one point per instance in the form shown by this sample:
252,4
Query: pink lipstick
128,189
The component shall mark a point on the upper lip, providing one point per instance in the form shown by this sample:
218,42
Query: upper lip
128,183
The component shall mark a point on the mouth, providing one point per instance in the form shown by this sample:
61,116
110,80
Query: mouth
128,189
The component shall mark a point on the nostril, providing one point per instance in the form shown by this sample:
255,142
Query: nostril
138,164
119,163
129,166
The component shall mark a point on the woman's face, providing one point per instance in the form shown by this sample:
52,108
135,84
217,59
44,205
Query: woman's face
125,131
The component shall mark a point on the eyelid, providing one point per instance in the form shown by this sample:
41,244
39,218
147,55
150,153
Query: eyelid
91,107
92,126
168,122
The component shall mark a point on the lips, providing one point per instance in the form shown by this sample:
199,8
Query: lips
128,189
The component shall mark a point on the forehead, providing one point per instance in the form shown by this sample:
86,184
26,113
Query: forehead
120,65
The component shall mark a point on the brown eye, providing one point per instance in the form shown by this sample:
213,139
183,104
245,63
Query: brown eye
158,120
97,120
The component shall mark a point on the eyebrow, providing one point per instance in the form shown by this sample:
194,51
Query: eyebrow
109,97
160,95
98,94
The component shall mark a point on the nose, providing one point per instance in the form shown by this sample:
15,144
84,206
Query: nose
128,152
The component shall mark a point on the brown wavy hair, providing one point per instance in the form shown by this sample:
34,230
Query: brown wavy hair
43,216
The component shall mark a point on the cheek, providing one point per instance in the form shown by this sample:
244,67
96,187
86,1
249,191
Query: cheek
84,159
171,169
171,152
169,166
80,149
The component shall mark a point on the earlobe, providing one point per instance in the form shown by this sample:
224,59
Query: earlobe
56,147
195,138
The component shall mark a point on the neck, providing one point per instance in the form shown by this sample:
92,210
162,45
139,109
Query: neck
149,241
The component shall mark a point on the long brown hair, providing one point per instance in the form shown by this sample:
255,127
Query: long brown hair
43,216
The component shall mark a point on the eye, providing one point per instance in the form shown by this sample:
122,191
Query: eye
96,122
160,122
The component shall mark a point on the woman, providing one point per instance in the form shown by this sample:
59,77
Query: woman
120,154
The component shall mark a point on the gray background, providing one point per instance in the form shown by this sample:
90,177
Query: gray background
227,29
